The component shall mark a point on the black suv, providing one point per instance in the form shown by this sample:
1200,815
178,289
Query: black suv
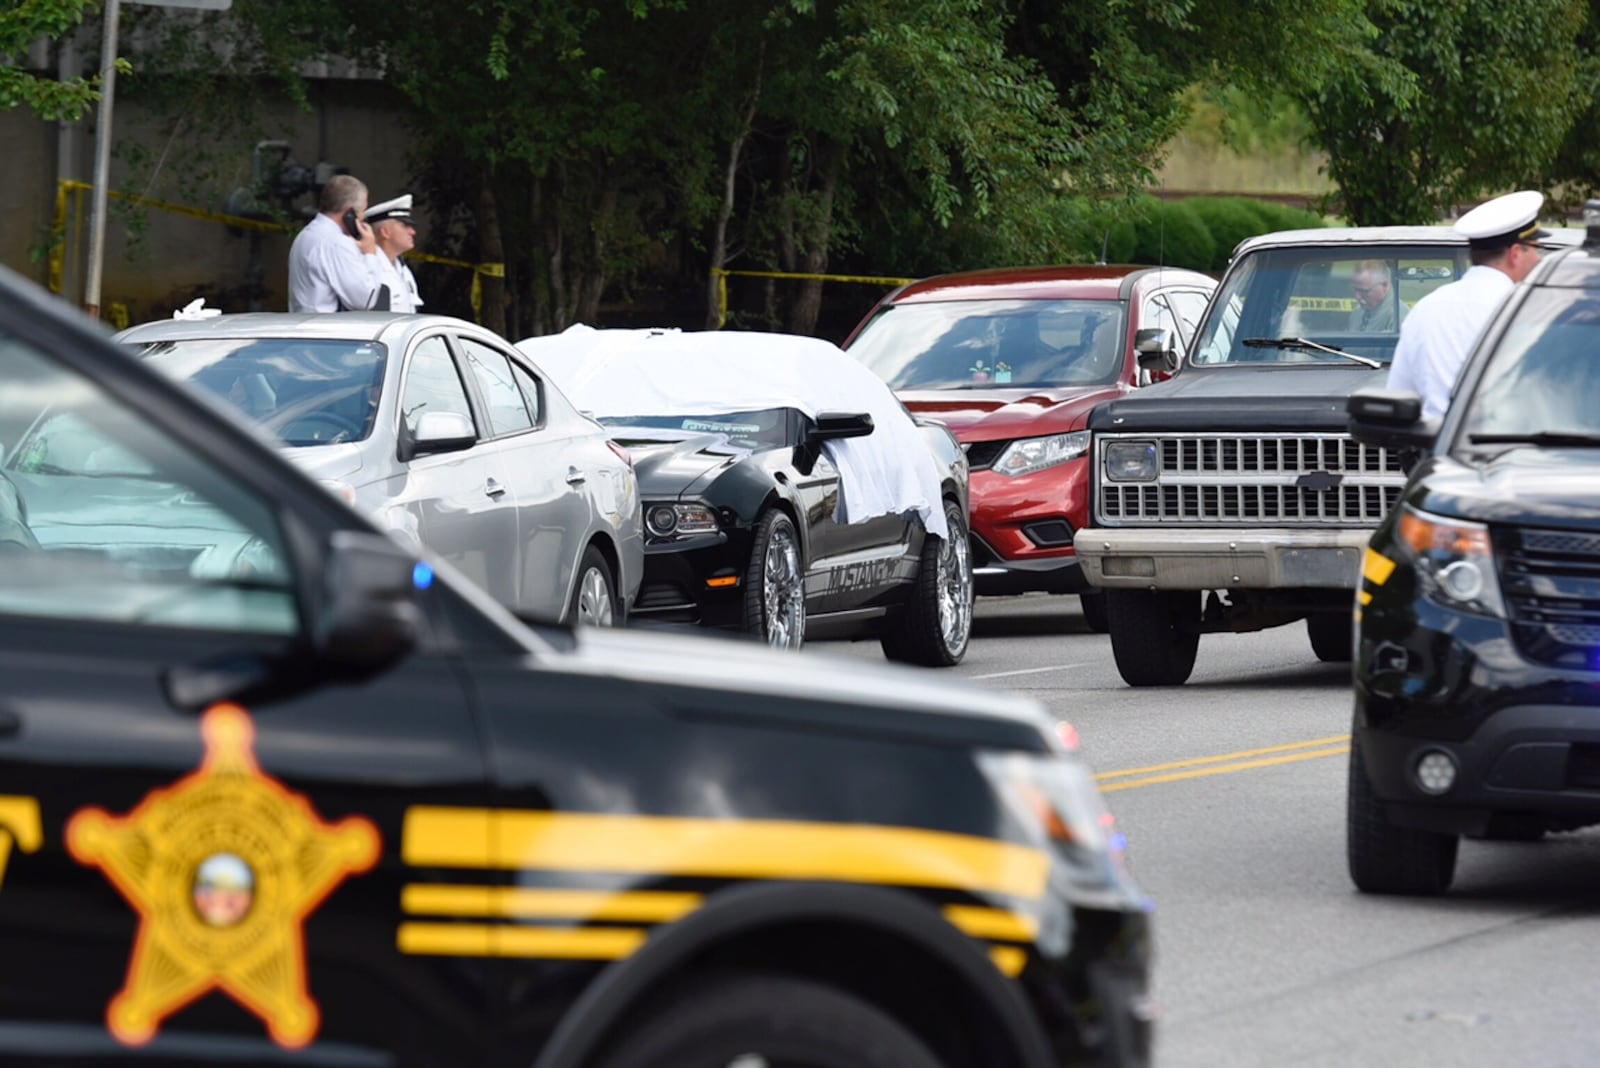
268,783
1477,676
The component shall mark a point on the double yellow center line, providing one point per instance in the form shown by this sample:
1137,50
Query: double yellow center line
1223,764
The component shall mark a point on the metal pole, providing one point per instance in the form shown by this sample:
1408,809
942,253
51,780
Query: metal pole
102,161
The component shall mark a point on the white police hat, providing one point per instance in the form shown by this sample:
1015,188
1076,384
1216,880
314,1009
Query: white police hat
398,208
1504,221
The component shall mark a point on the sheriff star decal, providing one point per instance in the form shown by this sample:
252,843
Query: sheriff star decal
222,867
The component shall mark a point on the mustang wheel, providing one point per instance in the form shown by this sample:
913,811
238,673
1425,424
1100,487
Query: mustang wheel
774,587
1383,858
769,1021
934,627
594,598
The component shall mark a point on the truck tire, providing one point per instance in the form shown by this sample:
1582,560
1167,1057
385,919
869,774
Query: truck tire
755,1018
936,623
1093,603
1383,858
1154,634
1332,637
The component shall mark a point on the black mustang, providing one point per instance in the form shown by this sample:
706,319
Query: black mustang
740,534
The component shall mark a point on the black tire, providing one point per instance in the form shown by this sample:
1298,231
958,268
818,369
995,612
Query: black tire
1383,858
594,592
936,624
775,606
781,1020
1154,634
1332,637
1093,604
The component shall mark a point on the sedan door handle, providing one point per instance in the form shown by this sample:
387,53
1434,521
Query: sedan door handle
575,477
493,488
10,723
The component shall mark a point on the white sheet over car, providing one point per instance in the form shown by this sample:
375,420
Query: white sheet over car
619,373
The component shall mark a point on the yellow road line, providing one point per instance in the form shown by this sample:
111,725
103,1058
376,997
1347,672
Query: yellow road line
1223,758
1220,768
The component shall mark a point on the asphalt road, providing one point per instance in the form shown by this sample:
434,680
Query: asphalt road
1231,791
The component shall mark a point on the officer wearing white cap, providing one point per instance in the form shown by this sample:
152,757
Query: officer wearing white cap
1441,330
397,234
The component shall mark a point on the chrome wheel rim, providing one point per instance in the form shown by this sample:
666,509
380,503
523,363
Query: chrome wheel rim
955,589
594,599
782,592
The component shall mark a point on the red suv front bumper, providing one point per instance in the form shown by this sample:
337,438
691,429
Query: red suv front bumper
1022,529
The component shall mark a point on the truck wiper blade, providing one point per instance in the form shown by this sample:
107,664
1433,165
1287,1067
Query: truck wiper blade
1309,346
1541,437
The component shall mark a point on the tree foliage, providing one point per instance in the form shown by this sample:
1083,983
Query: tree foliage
1488,90
21,23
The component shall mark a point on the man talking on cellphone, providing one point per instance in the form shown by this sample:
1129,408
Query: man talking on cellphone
334,263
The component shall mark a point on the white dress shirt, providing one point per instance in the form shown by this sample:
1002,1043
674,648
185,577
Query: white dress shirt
328,272
403,295
1437,336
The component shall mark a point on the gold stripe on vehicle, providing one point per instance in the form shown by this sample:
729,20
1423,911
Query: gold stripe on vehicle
510,940
1009,959
526,903
523,840
1377,568
1001,924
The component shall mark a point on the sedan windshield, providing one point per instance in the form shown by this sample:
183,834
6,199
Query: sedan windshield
306,392
1542,383
1332,304
981,344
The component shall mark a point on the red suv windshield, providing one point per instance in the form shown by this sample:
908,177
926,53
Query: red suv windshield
989,343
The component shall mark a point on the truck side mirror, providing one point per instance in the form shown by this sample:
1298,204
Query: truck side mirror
1391,419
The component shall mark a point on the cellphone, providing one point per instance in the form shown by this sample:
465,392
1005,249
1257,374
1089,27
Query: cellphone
350,224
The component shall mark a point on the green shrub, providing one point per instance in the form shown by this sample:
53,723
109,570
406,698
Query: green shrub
1173,234
1230,221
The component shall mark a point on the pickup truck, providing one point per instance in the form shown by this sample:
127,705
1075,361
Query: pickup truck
1232,498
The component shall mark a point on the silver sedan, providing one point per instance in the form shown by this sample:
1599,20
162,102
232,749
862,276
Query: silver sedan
445,434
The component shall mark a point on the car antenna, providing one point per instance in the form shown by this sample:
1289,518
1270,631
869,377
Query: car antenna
1105,243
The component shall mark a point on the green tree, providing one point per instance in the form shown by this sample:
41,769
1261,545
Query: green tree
1490,88
21,23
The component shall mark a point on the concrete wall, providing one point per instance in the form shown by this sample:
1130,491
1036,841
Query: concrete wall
156,260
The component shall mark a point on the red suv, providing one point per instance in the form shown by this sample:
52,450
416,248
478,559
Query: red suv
1012,360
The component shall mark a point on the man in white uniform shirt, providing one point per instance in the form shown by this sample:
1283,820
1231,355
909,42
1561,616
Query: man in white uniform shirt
334,262
1441,330
397,234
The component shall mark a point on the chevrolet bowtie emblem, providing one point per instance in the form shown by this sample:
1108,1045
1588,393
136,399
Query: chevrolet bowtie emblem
1319,481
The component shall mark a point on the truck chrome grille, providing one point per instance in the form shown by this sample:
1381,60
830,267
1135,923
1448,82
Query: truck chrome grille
1253,480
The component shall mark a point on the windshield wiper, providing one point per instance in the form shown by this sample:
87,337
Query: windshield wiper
1539,437
1308,345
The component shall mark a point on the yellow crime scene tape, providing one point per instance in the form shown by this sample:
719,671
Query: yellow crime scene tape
721,274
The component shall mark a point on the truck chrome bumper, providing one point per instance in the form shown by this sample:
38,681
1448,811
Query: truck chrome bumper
1135,559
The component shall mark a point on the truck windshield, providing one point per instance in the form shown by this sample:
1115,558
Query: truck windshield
1352,298
1542,383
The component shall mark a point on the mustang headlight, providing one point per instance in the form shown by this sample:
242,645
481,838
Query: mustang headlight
1131,461
1053,796
1027,455
1453,561
679,519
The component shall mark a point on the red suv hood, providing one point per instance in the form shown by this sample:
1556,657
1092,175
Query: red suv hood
992,414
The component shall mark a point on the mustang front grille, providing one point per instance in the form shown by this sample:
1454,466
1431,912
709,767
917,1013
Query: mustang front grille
1252,480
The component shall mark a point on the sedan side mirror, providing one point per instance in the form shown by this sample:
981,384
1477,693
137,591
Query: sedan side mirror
1155,349
1391,419
443,432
